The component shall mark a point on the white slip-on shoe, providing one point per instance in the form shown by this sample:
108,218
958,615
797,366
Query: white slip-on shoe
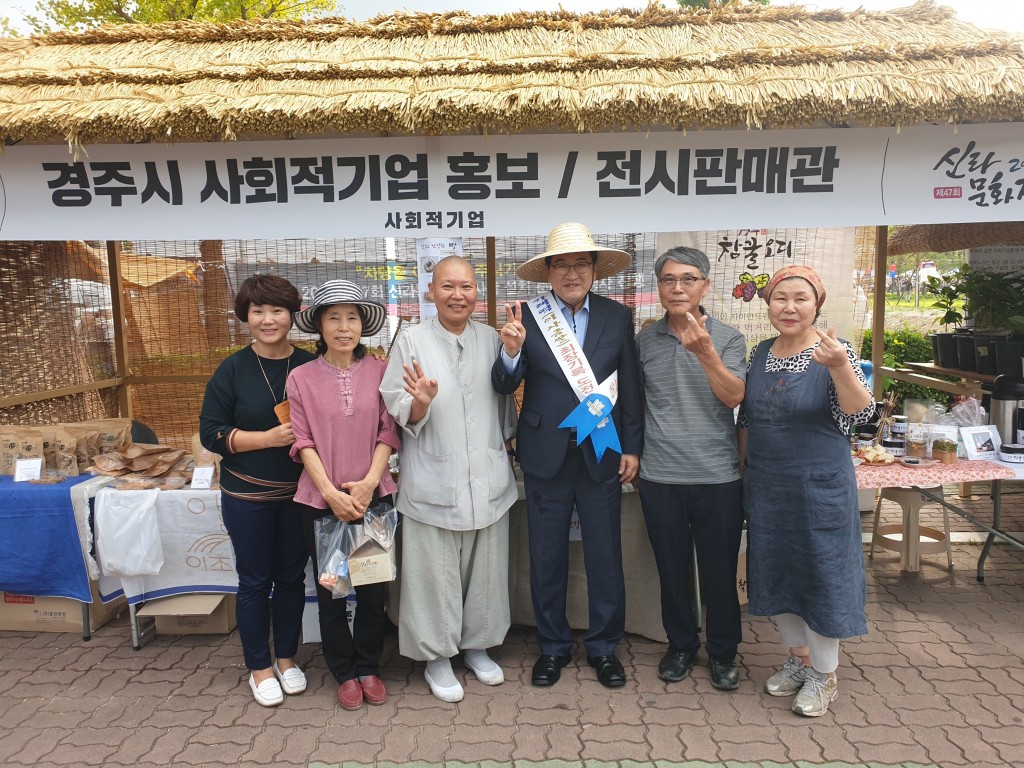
443,683
484,667
268,693
292,680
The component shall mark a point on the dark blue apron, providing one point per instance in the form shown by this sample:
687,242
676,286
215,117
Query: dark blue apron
800,496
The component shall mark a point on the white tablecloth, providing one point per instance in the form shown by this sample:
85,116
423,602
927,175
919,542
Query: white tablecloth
198,556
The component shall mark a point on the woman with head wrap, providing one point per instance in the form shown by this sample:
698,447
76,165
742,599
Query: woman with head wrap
805,560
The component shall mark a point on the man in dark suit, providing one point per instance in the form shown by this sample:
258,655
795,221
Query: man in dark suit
561,467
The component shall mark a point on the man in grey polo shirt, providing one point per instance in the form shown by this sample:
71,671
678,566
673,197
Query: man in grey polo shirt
694,370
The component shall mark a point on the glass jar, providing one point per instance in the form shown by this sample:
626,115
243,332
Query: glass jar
917,446
895,448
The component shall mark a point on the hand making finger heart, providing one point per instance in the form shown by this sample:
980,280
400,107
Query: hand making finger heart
830,352
695,336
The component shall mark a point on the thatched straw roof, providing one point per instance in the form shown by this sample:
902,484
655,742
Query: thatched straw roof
941,238
451,73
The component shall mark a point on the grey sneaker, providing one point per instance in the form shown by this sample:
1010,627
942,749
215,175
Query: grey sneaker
788,680
818,692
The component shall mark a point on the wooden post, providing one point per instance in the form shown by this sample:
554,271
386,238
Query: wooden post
492,284
215,292
124,399
878,311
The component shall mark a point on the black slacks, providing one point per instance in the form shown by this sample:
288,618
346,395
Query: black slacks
355,653
710,516
549,505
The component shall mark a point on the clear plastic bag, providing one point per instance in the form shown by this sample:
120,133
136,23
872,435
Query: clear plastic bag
969,413
127,533
334,543
380,523
915,409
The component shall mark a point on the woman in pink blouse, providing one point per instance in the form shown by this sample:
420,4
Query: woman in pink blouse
344,437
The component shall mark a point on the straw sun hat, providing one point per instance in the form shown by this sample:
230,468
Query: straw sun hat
341,292
573,238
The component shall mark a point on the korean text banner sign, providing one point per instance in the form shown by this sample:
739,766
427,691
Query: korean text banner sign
514,185
742,261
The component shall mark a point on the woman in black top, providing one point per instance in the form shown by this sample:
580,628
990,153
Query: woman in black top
258,481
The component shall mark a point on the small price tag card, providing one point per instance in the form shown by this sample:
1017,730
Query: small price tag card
27,469
202,477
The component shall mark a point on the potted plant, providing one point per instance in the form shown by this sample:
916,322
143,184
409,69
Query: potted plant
944,450
946,350
987,297
1010,351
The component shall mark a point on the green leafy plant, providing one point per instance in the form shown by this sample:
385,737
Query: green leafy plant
942,444
993,299
905,346
949,300
1015,308
79,15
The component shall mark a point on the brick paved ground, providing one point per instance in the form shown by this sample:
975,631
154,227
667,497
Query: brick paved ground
938,681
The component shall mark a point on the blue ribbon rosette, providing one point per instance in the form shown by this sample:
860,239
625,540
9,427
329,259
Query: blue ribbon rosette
592,418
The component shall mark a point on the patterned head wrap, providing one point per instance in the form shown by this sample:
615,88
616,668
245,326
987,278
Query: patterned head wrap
796,270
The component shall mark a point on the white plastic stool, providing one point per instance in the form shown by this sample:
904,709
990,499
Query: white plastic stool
914,538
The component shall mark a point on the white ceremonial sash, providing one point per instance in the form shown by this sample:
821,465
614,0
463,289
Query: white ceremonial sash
592,417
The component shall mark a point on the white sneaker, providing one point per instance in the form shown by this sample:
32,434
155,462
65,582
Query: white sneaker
788,680
292,680
484,667
819,690
268,693
442,681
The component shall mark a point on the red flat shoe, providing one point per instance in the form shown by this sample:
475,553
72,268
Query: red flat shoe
350,695
373,690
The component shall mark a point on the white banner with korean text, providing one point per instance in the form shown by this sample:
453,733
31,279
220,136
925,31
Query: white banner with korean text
743,260
997,258
514,185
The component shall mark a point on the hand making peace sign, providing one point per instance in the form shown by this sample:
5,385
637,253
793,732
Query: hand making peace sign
513,334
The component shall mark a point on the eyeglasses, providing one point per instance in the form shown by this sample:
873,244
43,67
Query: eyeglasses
580,267
688,281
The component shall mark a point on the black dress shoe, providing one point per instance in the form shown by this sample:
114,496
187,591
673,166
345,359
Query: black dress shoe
548,669
676,665
609,670
725,675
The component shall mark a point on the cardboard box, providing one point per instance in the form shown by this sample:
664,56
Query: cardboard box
371,563
192,614
741,579
25,613
741,571
311,618
866,499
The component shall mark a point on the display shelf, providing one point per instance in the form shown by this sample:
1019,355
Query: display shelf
933,368
925,373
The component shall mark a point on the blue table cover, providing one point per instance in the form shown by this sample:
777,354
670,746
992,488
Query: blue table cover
40,553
